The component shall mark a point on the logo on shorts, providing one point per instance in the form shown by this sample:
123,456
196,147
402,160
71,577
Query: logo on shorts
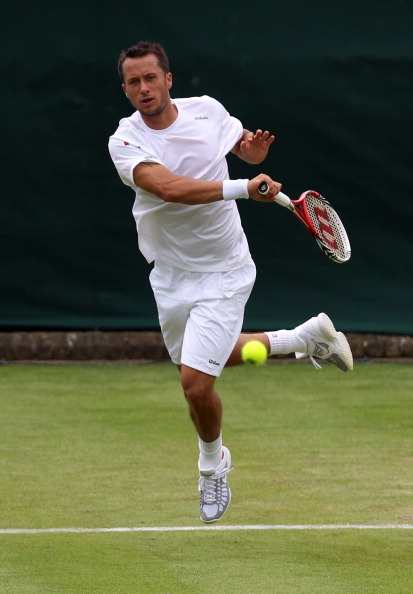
214,362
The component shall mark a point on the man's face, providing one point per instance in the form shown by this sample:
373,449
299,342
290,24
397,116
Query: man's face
146,85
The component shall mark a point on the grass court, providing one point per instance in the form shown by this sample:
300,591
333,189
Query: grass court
98,481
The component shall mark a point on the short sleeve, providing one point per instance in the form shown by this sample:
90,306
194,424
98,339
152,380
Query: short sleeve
126,155
231,128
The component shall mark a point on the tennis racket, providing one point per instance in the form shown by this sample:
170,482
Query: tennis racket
321,221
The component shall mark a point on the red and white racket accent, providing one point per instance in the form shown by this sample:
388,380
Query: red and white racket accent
321,221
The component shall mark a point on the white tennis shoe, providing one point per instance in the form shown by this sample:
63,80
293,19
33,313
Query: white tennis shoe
215,494
323,341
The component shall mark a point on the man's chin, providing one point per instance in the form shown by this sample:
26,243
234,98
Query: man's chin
150,110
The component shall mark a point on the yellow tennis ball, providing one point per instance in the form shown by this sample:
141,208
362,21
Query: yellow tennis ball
254,352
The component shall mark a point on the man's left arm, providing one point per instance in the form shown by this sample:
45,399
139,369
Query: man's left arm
253,148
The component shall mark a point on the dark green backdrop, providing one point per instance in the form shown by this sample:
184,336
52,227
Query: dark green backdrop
332,80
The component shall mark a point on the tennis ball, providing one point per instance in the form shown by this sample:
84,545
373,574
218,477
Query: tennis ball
254,352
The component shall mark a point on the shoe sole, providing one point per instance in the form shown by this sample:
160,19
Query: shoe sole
345,360
327,326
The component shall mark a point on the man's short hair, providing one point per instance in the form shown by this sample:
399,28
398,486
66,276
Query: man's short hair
143,48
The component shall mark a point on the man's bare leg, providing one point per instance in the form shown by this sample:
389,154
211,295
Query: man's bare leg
235,356
205,406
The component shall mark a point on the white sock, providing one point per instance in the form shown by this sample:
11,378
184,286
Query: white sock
210,453
283,342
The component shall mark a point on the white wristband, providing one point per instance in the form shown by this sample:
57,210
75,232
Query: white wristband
235,188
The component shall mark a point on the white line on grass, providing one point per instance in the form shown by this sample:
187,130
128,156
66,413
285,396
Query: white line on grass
205,528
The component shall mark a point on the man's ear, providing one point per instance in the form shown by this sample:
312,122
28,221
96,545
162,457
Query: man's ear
124,89
169,80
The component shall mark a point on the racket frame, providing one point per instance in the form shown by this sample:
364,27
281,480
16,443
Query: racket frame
326,239
300,209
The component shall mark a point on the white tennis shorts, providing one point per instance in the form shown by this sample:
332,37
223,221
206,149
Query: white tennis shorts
201,313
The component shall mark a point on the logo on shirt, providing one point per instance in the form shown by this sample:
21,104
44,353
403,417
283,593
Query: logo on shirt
200,117
125,143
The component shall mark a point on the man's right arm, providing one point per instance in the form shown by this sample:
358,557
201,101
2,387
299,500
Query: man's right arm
157,179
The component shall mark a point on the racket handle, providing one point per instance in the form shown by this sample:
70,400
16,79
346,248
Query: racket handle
281,198
284,200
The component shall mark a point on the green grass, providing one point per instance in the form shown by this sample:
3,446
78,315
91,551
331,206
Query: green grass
112,446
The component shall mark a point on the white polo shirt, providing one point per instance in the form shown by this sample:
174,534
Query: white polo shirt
203,238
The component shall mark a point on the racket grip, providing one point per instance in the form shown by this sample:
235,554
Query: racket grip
281,198
284,200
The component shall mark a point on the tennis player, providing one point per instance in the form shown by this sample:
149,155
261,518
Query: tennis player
172,153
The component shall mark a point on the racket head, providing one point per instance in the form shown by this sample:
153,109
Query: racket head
325,225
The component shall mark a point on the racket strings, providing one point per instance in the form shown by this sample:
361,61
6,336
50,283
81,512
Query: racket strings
329,228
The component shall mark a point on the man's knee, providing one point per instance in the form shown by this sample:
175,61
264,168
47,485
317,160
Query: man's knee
198,387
